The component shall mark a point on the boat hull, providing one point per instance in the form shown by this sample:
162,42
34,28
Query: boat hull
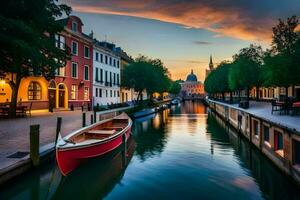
70,159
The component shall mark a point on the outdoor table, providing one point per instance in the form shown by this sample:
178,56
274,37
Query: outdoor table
296,107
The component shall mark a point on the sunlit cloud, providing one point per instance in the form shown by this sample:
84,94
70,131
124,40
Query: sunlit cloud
246,20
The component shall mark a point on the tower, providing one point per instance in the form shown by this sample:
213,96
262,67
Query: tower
210,66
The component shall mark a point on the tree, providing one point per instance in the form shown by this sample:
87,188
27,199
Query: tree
27,41
146,74
175,88
282,60
246,71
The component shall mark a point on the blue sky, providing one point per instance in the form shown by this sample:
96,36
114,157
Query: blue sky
183,33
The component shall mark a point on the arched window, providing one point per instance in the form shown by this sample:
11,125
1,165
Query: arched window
34,91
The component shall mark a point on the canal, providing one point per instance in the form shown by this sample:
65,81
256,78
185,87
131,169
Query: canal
181,153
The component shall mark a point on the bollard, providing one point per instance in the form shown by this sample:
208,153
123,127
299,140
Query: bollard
83,120
92,119
35,144
58,128
95,116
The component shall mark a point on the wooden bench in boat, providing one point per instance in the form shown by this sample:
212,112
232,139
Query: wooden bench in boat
104,132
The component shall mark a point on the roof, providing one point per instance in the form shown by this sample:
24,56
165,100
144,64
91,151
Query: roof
191,77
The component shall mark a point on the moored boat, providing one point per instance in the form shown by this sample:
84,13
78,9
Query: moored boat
91,141
144,112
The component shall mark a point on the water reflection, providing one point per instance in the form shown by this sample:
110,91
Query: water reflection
271,181
150,135
181,153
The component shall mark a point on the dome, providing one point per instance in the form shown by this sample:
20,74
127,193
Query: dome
191,77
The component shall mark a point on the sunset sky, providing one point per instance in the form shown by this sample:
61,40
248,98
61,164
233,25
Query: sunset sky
183,34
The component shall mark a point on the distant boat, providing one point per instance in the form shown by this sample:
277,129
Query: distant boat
144,112
175,101
91,141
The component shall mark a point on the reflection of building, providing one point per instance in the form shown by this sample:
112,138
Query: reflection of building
192,87
106,67
72,85
210,67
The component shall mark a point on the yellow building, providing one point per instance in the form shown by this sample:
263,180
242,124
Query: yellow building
32,89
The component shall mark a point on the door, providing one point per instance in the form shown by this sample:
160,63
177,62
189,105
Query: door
61,99
51,99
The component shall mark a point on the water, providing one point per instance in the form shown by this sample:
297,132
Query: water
182,153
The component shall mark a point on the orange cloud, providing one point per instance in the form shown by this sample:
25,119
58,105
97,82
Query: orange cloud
227,21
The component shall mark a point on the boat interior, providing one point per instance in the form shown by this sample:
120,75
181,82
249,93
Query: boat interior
100,132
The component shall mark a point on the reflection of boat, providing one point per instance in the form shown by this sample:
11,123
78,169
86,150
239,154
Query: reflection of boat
94,140
145,118
175,101
97,178
144,112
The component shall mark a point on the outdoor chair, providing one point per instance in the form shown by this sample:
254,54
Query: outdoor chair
276,106
28,110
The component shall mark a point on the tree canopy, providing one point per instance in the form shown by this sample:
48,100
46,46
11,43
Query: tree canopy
27,40
146,74
175,87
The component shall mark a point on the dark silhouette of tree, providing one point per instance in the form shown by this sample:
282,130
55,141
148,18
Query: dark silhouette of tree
27,41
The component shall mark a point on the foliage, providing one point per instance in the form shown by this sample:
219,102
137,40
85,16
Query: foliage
217,80
246,70
175,87
27,40
146,74
282,61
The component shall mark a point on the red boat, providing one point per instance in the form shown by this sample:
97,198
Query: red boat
91,141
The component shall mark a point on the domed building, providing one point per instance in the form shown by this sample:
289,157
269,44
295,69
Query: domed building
191,87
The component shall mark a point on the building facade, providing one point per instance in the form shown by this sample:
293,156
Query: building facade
107,75
191,87
72,86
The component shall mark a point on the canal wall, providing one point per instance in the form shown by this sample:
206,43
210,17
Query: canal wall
277,142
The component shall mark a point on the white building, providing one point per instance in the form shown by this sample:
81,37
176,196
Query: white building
106,73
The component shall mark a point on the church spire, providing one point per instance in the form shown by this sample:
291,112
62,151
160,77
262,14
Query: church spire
211,64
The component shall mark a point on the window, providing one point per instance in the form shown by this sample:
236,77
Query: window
60,41
296,145
101,75
97,56
97,75
100,92
106,76
61,71
266,134
278,143
74,70
86,93
118,64
86,52
106,60
96,92
114,93
114,62
74,26
101,57
86,72
34,91
74,48
118,79
114,78
74,92
106,93
118,93
110,61
110,93
256,127
110,77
